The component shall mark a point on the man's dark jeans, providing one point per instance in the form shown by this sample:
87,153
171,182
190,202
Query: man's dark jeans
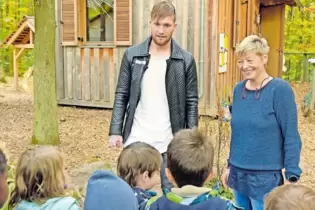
165,184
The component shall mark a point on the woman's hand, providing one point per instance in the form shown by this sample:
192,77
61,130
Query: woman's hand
225,177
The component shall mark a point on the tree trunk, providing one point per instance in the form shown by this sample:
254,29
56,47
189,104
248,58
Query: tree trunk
45,103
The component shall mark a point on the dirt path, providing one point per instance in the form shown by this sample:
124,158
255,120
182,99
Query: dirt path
84,134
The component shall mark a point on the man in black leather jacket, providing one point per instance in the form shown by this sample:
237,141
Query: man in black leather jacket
157,89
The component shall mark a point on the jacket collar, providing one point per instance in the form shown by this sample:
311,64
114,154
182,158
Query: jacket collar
189,191
175,49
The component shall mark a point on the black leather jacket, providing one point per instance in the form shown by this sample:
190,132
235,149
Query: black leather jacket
181,88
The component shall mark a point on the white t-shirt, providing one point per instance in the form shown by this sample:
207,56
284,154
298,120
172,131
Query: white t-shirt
152,123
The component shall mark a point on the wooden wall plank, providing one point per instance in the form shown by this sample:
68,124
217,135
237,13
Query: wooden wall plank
101,74
65,66
92,74
60,80
146,13
106,77
86,75
69,72
96,87
135,22
112,75
140,21
190,31
77,76
196,28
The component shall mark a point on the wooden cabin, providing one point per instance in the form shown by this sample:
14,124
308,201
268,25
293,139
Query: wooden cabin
92,36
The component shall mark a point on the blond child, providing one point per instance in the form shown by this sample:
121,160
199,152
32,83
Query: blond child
40,181
139,165
290,197
189,165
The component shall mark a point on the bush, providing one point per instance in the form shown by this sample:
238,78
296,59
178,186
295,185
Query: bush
216,184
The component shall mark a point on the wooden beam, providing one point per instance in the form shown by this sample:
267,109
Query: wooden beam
15,68
30,26
16,34
19,53
28,46
82,22
31,37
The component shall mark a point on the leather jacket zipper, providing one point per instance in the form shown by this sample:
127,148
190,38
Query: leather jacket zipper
168,61
144,69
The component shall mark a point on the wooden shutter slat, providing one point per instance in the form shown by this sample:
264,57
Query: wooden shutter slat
123,22
69,22
243,20
240,21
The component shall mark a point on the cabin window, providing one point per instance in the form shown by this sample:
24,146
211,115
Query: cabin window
100,20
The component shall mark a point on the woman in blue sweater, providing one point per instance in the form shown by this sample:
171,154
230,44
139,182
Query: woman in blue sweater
265,137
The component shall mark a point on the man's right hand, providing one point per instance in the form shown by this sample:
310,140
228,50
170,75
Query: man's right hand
115,141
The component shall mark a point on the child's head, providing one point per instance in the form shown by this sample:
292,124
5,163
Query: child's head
4,190
290,197
189,158
39,175
139,165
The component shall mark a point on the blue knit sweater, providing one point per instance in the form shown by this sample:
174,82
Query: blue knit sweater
265,130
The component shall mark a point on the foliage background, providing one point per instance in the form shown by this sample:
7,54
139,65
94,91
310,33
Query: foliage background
299,37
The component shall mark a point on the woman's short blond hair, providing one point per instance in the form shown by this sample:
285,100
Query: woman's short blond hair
290,197
252,43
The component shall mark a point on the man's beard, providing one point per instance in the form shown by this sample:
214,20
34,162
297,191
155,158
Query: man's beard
159,42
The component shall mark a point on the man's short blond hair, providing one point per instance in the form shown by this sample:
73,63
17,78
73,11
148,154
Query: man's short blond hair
290,197
190,157
137,158
163,9
252,43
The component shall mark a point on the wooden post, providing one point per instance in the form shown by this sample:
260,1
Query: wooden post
312,106
31,37
305,72
15,69
16,56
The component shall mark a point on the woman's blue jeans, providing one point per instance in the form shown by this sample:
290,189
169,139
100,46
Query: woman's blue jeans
246,202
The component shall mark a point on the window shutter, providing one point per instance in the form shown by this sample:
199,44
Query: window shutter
123,22
69,22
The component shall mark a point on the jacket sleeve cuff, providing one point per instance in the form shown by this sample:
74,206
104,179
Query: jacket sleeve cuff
291,177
